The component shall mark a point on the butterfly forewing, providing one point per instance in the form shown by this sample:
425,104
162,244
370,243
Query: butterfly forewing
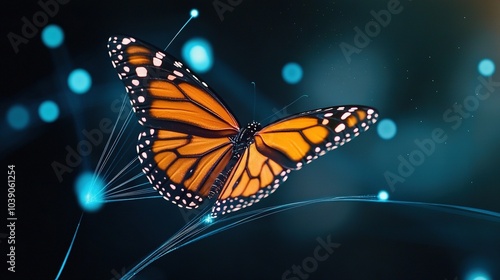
185,143
165,94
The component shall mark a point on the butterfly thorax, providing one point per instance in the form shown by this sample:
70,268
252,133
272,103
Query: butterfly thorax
244,138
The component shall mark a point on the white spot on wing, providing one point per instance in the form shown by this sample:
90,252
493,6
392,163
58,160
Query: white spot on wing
340,128
141,71
156,61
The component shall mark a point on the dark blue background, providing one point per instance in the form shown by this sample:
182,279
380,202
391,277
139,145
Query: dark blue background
422,63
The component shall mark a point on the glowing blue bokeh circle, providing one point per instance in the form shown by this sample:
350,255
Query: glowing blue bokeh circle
477,274
197,53
52,36
194,13
292,73
383,195
89,191
18,117
79,81
386,129
486,67
48,111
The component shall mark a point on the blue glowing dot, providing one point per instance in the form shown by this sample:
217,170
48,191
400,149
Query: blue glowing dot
89,191
197,53
383,195
477,275
208,219
292,73
79,81
386,129
194,13
48,111
486,67
18,117
52,36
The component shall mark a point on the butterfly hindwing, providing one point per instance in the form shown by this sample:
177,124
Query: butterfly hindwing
182,167
253,178
301,138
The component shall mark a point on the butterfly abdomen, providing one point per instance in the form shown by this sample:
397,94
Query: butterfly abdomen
240,142
221,179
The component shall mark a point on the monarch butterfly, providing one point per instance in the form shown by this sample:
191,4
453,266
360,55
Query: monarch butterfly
192,148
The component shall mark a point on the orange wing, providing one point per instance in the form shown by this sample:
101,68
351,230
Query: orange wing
254,177
186,141
182,167
166,95
287,145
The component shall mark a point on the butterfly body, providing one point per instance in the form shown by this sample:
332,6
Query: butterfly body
192,148
245,138
240,142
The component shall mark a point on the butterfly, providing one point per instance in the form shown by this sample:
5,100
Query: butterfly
192,148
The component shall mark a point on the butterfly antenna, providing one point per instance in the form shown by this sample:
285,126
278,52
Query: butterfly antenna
193,14
284,108
254,100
